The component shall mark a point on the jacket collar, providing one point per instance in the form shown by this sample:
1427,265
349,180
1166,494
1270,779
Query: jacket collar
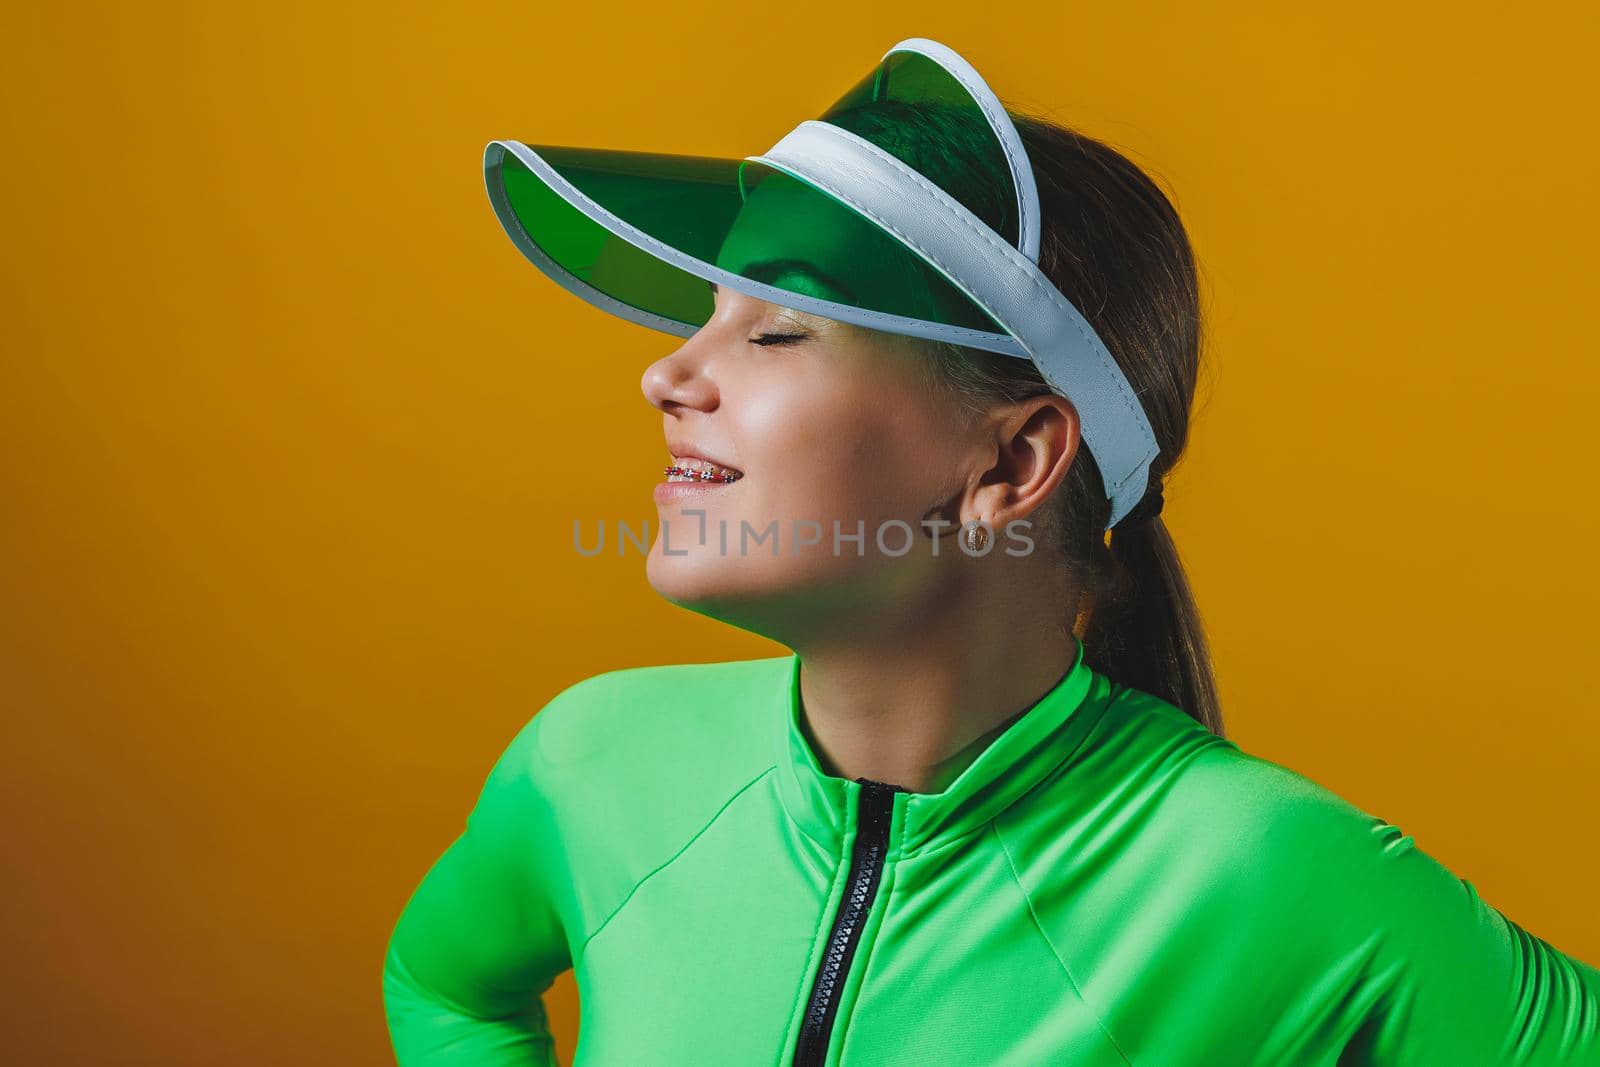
1030,748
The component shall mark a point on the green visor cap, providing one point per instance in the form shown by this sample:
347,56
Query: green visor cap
645,235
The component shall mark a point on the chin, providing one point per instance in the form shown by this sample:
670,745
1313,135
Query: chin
714,586
688,579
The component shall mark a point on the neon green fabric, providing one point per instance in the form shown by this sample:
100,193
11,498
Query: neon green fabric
1106,883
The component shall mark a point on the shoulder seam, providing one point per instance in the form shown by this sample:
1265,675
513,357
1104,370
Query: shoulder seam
664,864
1037,925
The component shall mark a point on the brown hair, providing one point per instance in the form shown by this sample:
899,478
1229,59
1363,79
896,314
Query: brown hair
1113,244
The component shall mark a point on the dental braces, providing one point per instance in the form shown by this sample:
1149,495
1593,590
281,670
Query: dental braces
699,474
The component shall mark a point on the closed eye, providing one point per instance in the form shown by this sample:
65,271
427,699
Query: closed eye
777,338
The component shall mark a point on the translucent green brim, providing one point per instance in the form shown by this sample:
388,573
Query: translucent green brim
645,235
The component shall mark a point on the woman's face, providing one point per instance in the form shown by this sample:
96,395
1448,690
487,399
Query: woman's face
834,427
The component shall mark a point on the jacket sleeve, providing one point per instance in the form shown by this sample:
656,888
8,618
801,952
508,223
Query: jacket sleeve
1452,980
481,938
1351,930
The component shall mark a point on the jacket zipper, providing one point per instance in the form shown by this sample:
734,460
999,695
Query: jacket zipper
873,814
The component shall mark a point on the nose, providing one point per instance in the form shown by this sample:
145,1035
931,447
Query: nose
679,379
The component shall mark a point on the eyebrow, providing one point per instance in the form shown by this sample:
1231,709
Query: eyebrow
769,269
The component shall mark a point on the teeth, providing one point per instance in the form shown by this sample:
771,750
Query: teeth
701,474
699,470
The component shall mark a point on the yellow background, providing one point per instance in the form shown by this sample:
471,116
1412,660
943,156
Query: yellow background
293,441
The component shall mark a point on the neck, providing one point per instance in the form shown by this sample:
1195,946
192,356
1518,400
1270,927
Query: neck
915,705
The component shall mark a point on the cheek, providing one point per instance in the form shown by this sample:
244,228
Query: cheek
865,454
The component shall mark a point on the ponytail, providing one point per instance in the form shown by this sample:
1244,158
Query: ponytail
1146,632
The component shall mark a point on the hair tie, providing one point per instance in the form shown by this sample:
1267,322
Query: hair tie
1148,507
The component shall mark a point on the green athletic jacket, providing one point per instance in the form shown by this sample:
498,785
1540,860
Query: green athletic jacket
1106,883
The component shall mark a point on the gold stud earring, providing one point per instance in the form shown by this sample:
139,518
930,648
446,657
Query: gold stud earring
977,537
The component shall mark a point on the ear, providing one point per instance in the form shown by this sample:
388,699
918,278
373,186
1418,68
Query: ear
1036,441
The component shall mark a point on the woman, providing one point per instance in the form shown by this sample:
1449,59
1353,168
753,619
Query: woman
984,814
